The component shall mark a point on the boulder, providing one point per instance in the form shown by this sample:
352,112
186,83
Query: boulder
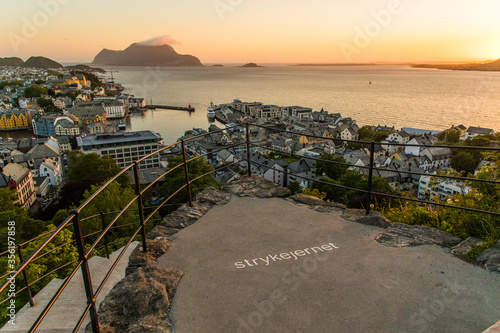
490,259
211,197
315,202
139,303
255,186
403,235
161,232
374,218
464,247
139,258
184,216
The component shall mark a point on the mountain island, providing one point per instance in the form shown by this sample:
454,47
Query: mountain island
145,55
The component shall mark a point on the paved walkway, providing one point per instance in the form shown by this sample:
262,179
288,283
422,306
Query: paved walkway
268,265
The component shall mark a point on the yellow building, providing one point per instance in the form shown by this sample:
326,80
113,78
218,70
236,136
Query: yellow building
86,116
13,120
72,79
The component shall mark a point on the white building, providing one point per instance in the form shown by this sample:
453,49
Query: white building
51,169
399,137
124,148
114,109
476,131
439,157
349,134
443,189
66,126
416,150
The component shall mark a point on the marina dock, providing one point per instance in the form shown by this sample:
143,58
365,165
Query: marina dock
169,107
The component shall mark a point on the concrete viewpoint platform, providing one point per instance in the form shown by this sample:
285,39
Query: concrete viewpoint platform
268,265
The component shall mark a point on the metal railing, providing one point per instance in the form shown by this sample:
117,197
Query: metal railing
85,251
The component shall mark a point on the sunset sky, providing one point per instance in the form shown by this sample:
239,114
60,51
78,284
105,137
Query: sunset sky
263,31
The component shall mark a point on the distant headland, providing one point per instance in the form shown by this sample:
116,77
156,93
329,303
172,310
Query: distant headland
492,66
145,55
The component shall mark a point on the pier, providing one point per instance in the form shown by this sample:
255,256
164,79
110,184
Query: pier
169,107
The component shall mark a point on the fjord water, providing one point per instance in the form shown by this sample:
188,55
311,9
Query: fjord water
398,95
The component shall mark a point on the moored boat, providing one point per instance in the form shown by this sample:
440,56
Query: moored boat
211,111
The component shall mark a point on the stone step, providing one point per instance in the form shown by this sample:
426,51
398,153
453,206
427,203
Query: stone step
59,319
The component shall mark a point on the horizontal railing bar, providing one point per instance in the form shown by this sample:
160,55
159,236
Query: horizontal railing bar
389,170
393,196
92,234
314,180
56,296
378,143
440,176
123,225
437,204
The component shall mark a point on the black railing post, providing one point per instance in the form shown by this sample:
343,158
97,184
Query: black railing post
141,208
186,171
25,274
106,240
249,165
370,178
87,279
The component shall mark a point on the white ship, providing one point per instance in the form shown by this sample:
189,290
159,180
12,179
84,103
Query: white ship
211,111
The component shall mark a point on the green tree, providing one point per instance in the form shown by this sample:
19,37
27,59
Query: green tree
380,136
85,170
112,199
10,83
365,133
452,136
353,179
478,141
464,161
44,102
295,188
26,226
35,91
332,170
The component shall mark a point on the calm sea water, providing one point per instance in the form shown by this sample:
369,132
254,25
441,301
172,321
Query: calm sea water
399,95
